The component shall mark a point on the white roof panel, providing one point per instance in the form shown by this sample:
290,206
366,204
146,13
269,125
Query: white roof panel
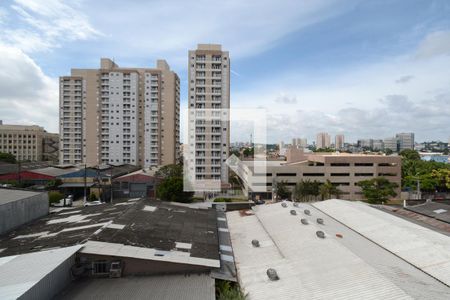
308,267
424,248
19,273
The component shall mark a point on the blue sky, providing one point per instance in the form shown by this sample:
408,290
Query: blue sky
367,69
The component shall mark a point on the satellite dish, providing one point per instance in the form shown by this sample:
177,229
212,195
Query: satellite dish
307,212
293,212
304,221
320,221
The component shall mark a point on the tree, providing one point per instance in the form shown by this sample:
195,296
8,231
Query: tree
7,158
410,154
378,190
388,151
175,170
281,190
249,152
442,177
171,188
306,189
327,190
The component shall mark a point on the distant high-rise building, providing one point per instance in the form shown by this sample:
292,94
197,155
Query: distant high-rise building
378,145
391,143
339,141
405,140
323,140
294,142
28,142
302,143
365,143
281,145
209,95
115,115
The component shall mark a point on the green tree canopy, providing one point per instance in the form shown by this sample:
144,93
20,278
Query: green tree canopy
410,154
171,188
328,190
282,190
378,190
175,170
7,158
306,190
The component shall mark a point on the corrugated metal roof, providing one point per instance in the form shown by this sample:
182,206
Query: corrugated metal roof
308,267
120,250
21,272
192,287
52,171
424,248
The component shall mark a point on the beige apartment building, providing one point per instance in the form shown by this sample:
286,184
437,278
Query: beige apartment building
209,104
323,140
339,141
343,170
28,142
114,115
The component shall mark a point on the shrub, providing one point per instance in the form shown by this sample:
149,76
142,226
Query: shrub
222,200
54,196
93,197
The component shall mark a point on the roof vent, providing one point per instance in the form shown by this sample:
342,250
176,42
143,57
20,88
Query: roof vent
304,221
284,204
255,243
307,212
295,204
272,274
320,234
320,221
293,212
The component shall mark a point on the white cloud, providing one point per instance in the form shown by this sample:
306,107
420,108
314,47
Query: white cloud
361,102
435,43
169,28
41,25
404,79
28,96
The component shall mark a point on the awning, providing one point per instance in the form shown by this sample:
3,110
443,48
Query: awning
76,184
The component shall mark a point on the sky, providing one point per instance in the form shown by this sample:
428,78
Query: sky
365,69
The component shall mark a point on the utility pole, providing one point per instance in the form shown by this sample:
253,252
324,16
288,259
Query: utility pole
111,182
19,178
85,184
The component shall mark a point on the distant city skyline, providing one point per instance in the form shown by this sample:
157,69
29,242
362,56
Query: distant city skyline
362,68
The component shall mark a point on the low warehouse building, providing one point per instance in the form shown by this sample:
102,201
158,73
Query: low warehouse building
18,207
336,249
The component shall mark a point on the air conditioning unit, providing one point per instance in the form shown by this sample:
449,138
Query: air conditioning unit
116,269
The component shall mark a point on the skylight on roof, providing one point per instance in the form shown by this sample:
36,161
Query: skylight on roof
149,208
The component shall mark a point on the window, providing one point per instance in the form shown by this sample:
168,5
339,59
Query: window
286,174
340,174
314,174
340,164
363,174
100,267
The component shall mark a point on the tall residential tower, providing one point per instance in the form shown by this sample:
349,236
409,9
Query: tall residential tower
209,98
115,115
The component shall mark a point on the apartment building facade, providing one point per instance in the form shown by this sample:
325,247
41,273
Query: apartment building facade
114,115
209,104
405,141
339,141
343,170
323,140
28,142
